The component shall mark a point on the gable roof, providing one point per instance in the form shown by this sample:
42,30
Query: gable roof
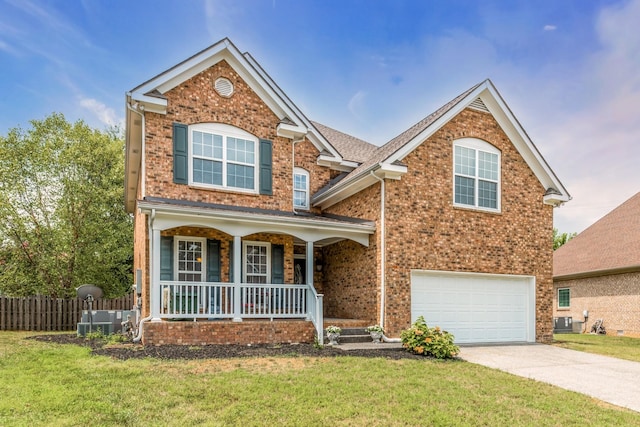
387,160
610,245
149,96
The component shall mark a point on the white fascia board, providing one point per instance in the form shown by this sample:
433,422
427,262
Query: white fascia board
291,131
527,149
389,171
339,193
176,75
332,162
245,223
151,103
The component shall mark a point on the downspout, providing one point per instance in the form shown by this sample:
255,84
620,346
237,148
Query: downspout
143,181
383,256
138,337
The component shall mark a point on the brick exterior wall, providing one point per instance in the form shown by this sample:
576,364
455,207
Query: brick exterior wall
195,101
352,271
614,298
228,332
425,231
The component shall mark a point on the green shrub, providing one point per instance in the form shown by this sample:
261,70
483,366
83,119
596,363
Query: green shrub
421,339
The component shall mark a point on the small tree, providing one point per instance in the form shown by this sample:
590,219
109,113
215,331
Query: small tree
561,239
62,218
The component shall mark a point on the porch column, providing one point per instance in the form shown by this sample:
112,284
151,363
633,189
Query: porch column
310,266
154,291
237,277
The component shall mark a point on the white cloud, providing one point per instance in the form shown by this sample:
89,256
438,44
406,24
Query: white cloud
598,139
105,114
550,27
357,104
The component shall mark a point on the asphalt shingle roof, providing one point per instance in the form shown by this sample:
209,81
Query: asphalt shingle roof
613,242
349,147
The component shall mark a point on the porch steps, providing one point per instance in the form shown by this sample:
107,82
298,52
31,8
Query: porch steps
352,335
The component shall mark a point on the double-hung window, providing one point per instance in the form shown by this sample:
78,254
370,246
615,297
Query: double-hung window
564,298
476,174
223,156
257,262
300,188
190,259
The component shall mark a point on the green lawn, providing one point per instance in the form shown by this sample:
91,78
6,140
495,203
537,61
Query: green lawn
608,345
63,385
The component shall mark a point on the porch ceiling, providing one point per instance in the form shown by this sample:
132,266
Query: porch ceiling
241,221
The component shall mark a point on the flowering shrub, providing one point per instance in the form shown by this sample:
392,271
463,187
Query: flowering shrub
375,328
334,329
421,339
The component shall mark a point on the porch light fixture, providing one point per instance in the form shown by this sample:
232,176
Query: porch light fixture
318,265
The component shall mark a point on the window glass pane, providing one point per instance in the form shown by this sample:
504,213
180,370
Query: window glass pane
487,194
240,150
256,263
240,176
465,161
487,165
190,264
300,199
464,190
300,182
217,147
564,298
207,171
197,143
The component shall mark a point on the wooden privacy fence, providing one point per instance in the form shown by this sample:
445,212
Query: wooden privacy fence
42,313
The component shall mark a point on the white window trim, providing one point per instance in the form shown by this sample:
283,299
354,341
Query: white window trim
558,296
176,241
300,171
246,243
226,131
478,145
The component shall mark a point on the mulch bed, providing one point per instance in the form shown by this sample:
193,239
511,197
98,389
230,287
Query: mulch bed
137,351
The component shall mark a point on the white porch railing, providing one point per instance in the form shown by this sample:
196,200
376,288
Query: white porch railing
208,300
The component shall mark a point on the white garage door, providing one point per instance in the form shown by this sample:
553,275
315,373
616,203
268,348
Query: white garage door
476,308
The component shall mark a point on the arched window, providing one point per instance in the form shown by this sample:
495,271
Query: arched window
300,188
223,156
476,166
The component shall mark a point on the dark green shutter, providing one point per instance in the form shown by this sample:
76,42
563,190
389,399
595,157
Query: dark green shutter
266,183
213,260
166,258
180,153
277,263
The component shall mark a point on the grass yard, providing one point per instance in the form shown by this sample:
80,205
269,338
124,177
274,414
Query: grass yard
607,345
64,385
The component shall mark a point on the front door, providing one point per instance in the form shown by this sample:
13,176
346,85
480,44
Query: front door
299,271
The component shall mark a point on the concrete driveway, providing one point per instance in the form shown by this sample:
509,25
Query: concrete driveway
611,380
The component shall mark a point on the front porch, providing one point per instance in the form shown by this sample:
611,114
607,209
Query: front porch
229,276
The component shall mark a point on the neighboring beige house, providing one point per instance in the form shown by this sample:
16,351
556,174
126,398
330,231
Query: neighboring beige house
599,271
253,223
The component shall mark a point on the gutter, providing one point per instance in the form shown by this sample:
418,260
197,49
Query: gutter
597,273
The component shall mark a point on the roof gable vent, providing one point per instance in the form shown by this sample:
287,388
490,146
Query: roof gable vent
479,105
223,86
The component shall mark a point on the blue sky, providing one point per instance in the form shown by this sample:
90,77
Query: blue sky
569,70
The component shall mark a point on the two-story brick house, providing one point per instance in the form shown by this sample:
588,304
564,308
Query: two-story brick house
253,223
